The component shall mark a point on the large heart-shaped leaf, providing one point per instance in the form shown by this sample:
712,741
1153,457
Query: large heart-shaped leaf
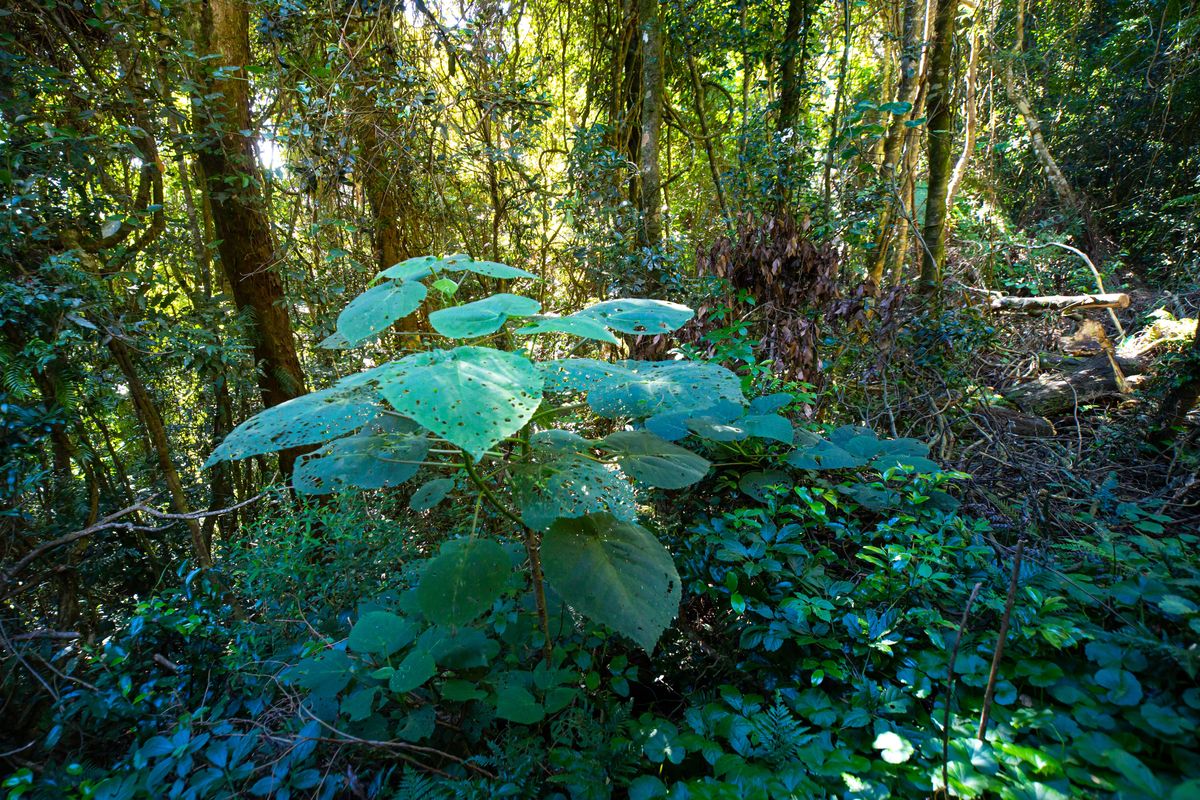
579,374
575,325
462,582
489,269
615,573
571,486
381,633
364,461
376,309
656,387
482,316
310,419
639,316
413,269
470,396
647,458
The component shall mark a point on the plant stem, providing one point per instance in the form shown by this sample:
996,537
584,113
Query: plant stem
1008,607
962,626
532,546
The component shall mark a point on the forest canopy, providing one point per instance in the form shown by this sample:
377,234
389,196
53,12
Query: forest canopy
644,398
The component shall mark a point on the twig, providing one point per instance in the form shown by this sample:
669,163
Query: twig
1000,639
962,625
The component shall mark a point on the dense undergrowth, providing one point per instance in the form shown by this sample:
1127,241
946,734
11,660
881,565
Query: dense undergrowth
811,658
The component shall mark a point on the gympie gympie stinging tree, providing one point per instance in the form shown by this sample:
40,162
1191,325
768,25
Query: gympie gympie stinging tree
477,410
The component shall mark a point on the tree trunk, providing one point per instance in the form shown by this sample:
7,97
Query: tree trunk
964,160
794,62
940,145
838,98
239,216
650,25
1067,198
910,57
151,419
1182,397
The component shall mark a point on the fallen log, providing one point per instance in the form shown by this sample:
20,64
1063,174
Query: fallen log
1080,382
1060,302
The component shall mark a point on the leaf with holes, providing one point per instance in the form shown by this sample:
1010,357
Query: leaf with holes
654,462
575,325
615,573
374,311
568,487
764,485
471,396
488,269
363,461
481,317
430,493
310,419
413,269
643,317
463,580
658,387
579,374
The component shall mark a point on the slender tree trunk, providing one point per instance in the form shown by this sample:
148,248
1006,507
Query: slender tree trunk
707,138
969,102
793,64
156,431
239,216
910,59
941,143
836,122
650,26
1067,198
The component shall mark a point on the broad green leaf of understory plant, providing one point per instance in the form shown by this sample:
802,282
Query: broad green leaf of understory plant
638,316
367,460
646,388
310,419
430,493
471,396
653,461
582,327
571,486
374,311
462,582
615,573
482,316
380,633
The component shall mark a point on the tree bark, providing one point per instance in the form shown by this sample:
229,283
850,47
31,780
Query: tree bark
156,431
1182,397
1067,198
940,145
239,216
650,26
969,102
1071,302
906,90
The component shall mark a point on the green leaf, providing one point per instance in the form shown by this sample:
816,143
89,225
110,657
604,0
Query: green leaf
761,486
445,286
359,705
653,461
460,691
376,309
482,316
1134,771
413,269
488,269
411,673
459,648
577,326
578,374
895,748
364,461
639,316
471,396
430,494
897,107
463,581
380,633
324,674
418,724
568,487
310,419
767,426
614,572
656,387
517,704
1123,686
